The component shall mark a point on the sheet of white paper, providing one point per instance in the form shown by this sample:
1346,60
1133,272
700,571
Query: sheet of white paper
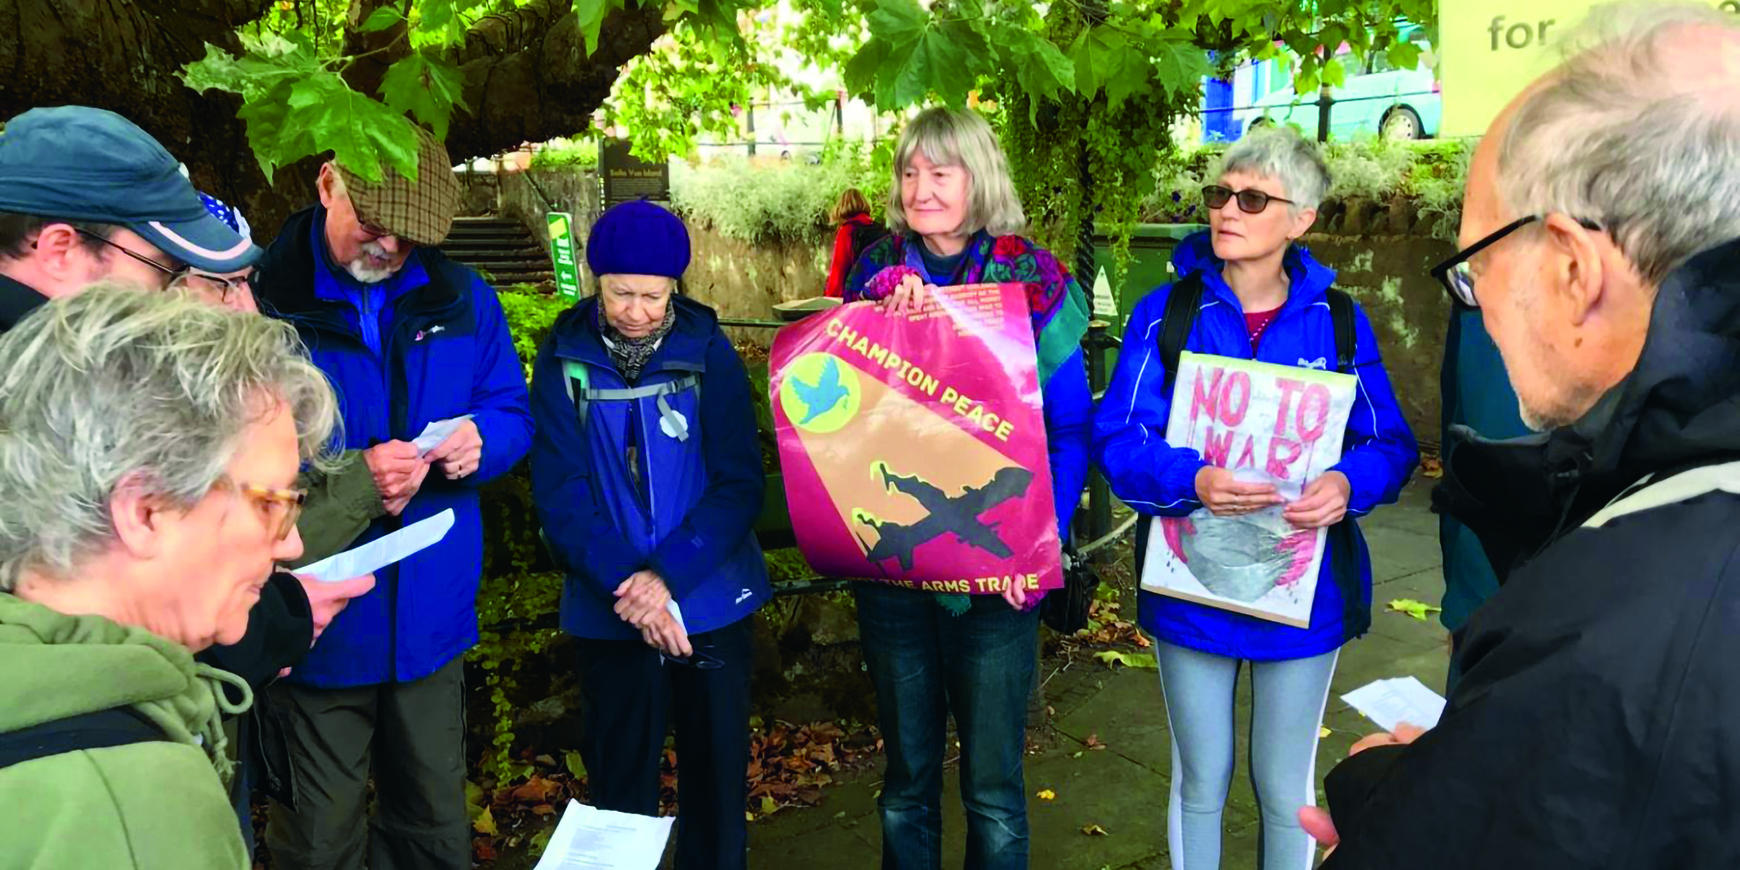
676,614
1392,702
383,551
588,838
435,433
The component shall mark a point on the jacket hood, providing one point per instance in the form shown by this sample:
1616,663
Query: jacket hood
1310,279
55,666
1679,408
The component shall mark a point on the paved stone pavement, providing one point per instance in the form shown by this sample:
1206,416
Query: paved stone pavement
1123,787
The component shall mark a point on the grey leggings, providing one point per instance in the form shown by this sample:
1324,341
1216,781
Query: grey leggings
1287,704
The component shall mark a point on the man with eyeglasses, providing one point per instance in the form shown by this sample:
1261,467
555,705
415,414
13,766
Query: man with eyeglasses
409,338
86,195
1593,723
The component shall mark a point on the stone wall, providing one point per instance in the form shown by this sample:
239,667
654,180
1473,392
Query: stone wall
1382,253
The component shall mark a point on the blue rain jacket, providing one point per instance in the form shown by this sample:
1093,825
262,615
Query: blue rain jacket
1378,454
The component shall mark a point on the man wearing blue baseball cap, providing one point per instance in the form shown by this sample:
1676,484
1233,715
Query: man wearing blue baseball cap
85,194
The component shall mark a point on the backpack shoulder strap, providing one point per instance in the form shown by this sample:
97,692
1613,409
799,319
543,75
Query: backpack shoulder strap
1346,337
1650,493
1182,306
117,726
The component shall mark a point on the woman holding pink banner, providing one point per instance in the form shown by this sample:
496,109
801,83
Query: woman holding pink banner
956,220
1249,292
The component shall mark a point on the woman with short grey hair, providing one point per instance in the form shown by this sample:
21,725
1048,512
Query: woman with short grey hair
1251,291
957,220
149,444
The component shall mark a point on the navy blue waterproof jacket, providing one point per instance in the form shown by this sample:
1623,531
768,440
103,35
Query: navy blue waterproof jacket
1378,453
689,516
433,345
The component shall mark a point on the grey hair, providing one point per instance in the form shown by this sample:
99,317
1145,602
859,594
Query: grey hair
116,385
1633,134
1281,154
959,137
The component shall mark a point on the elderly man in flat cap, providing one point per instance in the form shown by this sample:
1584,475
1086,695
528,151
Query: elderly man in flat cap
408,338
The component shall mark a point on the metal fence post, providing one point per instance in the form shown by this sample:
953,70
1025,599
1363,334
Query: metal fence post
1325,101
1099,494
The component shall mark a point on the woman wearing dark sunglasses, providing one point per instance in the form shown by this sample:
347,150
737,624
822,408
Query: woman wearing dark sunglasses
1263,297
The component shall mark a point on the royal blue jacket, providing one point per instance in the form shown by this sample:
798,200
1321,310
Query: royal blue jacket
686,505
427,344
1153,477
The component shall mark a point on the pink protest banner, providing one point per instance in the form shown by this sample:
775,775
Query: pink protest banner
914,447
1269,424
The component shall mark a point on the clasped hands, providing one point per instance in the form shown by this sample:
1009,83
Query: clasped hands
643,602
1323,502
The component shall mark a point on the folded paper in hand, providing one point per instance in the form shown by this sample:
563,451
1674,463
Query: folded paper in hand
437,432
381,552
1392,702
588,838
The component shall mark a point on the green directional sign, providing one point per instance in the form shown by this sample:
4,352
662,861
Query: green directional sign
562,253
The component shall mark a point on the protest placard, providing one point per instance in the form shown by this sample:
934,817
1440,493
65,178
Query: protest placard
914,447
1269,424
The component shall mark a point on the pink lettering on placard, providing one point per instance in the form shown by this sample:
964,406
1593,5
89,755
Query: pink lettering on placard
1235,398
1249,457
1313,412
1288,388
1283,452
1205,399
1216,450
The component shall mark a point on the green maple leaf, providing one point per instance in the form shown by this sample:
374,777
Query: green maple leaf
589,14
360,132
427,87
381,19
897,21
1104,58
255,74
1041,69
1178,65
1403,55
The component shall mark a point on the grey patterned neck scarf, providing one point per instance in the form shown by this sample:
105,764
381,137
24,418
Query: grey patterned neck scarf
631,354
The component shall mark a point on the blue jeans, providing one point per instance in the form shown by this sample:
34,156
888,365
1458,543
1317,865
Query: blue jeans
926,664
1287,701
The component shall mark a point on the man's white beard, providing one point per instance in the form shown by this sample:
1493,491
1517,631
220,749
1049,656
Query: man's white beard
360,269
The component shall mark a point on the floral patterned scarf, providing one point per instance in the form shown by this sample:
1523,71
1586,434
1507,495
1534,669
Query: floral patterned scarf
631,354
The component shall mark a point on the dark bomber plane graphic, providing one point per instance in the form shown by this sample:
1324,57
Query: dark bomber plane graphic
948,515
820,397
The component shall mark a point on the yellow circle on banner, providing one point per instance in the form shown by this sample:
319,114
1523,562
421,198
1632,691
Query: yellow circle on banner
820,393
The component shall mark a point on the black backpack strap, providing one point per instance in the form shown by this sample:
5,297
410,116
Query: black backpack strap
1175,324
1341,312
117,726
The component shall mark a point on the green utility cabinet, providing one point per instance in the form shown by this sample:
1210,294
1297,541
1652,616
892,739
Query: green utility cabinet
1150,267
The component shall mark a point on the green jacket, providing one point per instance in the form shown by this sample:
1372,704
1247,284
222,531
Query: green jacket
144,806
340,506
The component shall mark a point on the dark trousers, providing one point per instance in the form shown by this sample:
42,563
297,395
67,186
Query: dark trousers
927,664
411,737
631,694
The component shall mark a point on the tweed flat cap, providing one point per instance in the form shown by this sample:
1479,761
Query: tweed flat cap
418,211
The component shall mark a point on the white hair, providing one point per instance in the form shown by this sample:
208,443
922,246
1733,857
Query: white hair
959,137
1635,133
114,384
1281,154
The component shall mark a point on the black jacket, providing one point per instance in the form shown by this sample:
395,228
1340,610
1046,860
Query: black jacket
280,627
1593,726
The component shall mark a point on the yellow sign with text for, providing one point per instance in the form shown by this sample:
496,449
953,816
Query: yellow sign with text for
1492,49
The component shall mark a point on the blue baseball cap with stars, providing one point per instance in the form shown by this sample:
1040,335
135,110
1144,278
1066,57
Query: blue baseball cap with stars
77,163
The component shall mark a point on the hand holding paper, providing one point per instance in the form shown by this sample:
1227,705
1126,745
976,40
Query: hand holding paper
459,453
1390,703
379,553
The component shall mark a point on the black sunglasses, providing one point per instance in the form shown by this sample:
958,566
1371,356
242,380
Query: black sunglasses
1456,273
1251,201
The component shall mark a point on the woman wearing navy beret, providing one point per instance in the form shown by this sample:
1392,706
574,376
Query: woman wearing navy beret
647,477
